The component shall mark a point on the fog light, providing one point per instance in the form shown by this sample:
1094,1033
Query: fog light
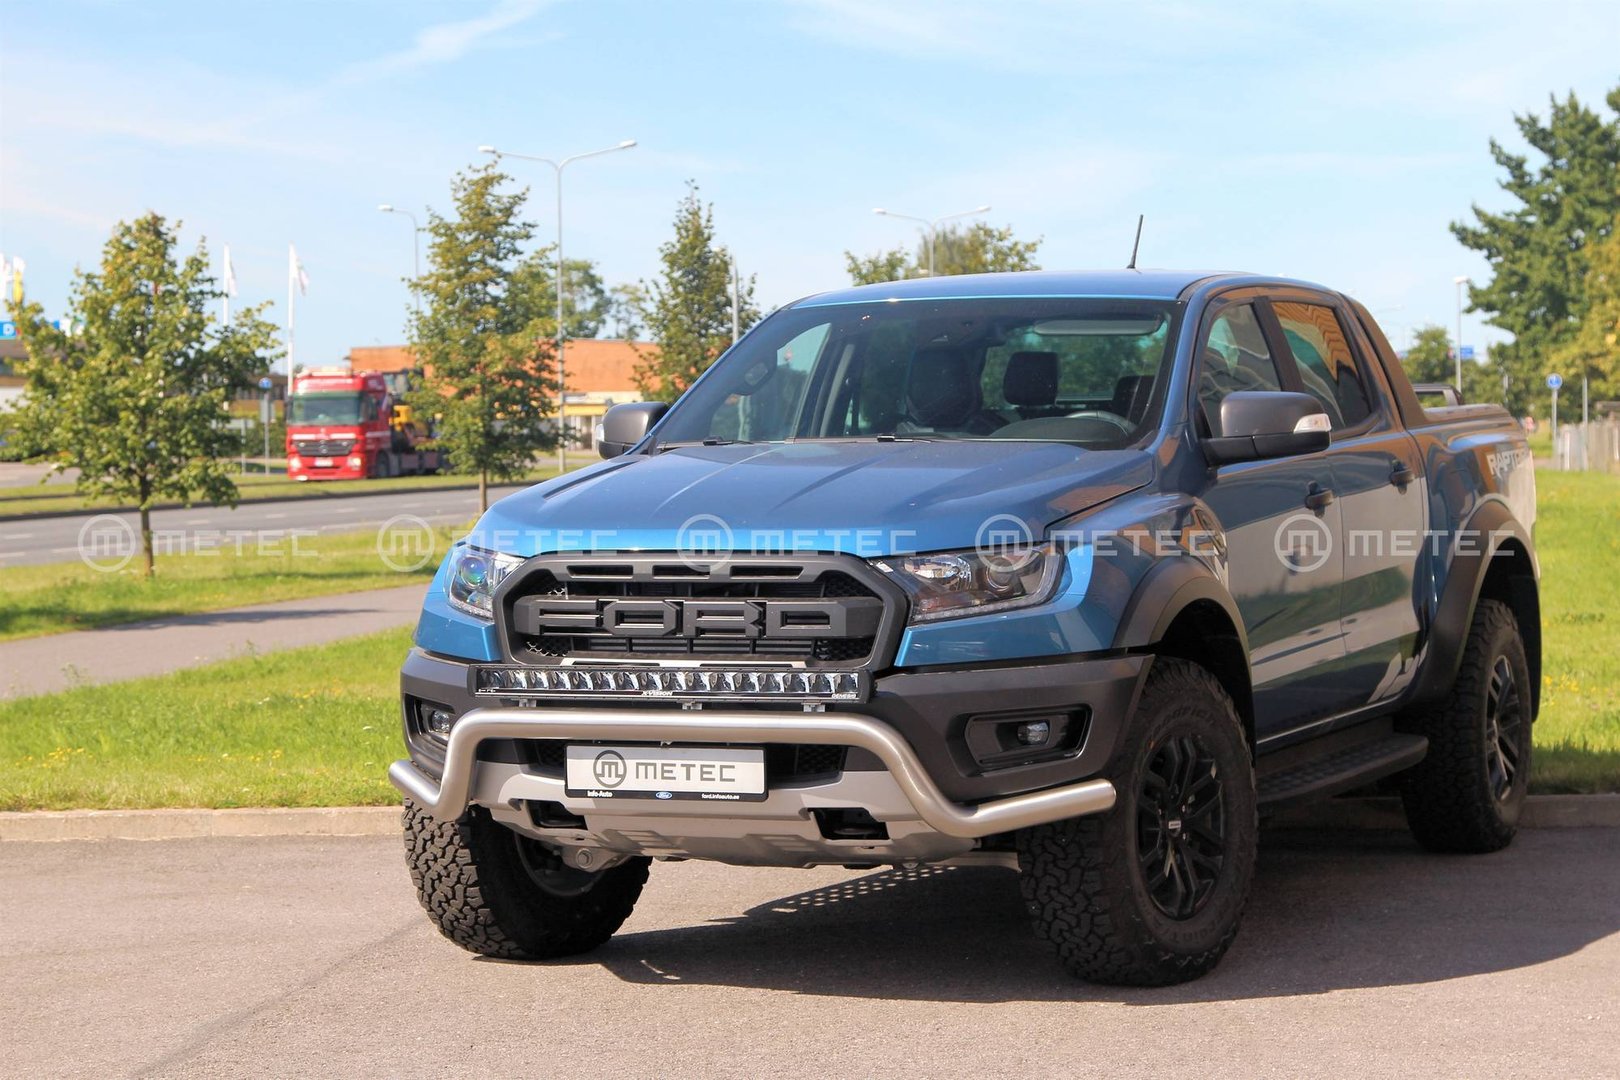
1034,733
356,462
294,462
436,720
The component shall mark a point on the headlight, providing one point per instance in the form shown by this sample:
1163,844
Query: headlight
955,584
474,574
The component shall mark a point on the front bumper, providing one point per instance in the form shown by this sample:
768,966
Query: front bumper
452,793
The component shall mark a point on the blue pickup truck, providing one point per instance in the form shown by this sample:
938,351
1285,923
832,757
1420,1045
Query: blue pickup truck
1074,573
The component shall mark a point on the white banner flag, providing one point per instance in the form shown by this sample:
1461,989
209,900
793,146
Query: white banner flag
230,273
295,271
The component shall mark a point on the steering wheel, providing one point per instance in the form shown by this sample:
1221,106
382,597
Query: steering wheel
1117,420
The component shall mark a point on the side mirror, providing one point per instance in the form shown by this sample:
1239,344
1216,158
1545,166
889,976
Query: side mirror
1258,424
627,424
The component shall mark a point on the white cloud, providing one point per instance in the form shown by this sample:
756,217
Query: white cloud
442,43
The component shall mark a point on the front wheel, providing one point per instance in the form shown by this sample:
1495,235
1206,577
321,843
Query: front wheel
497,893
1151,892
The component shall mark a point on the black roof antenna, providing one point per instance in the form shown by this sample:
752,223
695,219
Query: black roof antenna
1138,244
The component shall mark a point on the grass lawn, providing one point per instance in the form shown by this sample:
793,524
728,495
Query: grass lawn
307,727
58,597
1578,539
61,498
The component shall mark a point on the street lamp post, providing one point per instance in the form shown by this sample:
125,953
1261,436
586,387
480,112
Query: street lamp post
931,227
416,254
1459,282
558,167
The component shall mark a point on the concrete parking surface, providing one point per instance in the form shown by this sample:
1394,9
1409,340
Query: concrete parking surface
308,956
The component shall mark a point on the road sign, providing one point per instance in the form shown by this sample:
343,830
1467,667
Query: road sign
8,330
1467,352
1554,381
264,383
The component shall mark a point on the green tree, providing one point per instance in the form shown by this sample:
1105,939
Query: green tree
585,304
1593,349
687,310
484,336
1539,249
625,303
1430,359
972,249
135,396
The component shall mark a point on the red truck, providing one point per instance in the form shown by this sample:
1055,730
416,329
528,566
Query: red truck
346,425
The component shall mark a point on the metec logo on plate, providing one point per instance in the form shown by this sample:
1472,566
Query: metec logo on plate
609,769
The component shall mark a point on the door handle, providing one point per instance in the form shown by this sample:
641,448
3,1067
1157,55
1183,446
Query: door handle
1403,475
1319,498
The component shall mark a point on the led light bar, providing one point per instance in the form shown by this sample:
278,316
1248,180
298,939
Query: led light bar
728,684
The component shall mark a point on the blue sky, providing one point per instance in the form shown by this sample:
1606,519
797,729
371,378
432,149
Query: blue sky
1327,141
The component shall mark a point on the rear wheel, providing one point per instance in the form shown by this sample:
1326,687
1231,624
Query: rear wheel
1466,794
497,893
1151,892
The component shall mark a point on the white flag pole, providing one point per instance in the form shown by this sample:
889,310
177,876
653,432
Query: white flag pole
292,291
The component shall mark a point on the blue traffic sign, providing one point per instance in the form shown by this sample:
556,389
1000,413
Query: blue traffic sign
1555,380
8,330
1467,352
264,383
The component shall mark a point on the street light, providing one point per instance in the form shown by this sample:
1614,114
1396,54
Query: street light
1459,282
416,253
931,227
558,167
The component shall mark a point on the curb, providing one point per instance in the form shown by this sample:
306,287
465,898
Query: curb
1540,812
180,824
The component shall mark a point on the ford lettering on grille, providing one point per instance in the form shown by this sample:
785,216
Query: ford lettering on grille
850,617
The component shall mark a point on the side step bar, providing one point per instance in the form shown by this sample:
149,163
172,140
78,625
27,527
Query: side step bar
448,797
1339,772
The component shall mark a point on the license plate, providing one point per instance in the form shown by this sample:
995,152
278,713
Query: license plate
323,463
666,772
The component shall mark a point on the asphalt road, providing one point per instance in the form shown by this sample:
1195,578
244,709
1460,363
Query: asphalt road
26,541
277,957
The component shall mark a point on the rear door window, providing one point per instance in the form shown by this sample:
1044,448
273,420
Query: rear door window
1326,365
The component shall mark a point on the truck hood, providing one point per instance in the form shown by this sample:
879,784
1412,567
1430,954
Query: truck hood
859,498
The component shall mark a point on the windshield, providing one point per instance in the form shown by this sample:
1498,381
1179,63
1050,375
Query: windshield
1083,371
329,407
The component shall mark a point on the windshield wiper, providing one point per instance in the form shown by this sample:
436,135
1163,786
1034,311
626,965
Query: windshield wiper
712,440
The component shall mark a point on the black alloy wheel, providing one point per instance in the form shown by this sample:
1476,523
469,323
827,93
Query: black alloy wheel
1181,826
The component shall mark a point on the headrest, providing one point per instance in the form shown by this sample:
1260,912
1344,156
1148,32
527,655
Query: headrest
943,392
1031,379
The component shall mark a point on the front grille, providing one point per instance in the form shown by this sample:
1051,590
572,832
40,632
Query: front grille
785,763
812,611
323,447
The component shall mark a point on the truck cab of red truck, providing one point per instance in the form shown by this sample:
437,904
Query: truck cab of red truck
345,425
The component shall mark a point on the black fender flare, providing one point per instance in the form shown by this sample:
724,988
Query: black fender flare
1492,524
1165,592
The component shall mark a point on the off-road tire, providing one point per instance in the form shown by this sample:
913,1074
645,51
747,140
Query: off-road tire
1083,879
479,889
1452,803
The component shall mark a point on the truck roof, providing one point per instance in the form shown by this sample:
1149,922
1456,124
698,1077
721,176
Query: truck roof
1121,284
